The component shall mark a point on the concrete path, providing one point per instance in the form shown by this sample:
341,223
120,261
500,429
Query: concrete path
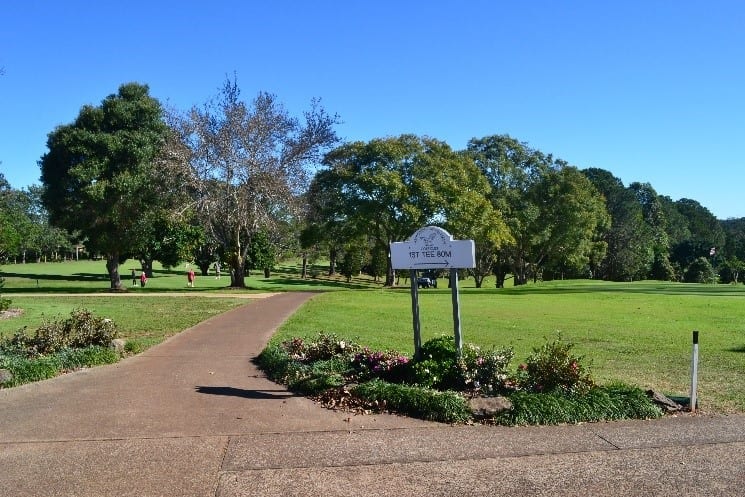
194,417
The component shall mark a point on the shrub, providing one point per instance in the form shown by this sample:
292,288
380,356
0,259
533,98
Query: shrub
16,344
441,368
82,329
274,361
438,366
486,371
553,367
134,347
49,338
388,365
323,347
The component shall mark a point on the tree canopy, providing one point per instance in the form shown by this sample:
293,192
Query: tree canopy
248,166
99,175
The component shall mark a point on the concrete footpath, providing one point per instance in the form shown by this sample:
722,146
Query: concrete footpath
194,417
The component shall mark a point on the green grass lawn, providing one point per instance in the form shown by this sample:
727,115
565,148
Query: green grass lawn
147,320
638,333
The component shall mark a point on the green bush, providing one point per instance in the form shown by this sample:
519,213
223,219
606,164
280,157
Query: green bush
274,361
485,370
553,367
325,346
134,347
85,329
16,344
423,403
438,365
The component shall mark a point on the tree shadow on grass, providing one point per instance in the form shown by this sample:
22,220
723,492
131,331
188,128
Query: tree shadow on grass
741,348
58,277
246,394
315,283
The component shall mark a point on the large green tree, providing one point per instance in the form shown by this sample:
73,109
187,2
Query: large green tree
707,237
388,188
630,239
552,212
99,173
249,166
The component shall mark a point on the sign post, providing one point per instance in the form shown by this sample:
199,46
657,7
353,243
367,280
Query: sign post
433,248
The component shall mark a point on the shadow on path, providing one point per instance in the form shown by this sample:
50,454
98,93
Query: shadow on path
246,394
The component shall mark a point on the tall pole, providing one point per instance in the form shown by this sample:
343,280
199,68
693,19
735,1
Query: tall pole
694,373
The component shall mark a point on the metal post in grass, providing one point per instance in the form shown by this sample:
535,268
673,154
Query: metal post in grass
694,372
415,314
456,310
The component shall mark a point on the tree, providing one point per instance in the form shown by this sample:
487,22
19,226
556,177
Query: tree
262,254
99,173
249,162
9,236
732,268
552,212
706,233
654,215
700,271
388,188
629,238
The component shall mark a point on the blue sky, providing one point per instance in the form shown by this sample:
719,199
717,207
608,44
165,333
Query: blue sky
653,91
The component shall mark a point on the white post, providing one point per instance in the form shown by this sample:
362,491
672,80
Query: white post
694,372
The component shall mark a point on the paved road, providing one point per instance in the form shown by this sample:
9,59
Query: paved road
194,417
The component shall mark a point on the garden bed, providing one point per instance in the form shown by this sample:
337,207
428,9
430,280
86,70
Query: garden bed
551,387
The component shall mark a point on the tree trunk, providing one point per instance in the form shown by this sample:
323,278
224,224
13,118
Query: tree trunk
112,265
267,272
147,266
389,273
332,261
305,266
237,271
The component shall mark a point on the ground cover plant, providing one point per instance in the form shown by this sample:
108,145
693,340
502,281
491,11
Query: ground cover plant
551,387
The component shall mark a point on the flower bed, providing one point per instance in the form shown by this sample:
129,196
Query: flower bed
552,386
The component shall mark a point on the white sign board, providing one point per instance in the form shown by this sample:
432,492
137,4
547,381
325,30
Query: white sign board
433,248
